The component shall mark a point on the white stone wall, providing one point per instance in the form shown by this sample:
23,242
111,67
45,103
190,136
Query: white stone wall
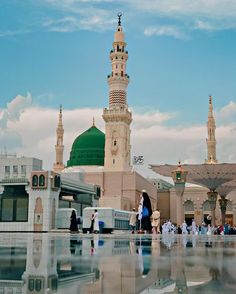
30,163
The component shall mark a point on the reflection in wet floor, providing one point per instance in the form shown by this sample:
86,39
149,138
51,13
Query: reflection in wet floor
71,264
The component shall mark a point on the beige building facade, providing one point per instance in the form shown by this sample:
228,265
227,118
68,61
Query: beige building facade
195,206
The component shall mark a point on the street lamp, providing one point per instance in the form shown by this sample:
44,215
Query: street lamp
179,177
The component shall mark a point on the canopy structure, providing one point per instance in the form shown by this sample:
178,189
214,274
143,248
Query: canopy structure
226,188
215,177
211,176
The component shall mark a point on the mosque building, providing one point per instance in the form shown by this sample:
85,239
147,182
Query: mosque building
105,159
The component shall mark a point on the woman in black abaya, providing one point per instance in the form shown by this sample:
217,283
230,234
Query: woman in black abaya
146,213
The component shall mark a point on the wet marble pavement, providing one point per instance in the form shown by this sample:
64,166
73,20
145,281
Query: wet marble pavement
64,263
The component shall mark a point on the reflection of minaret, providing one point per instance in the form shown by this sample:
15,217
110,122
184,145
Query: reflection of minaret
211,140
58,165
117,117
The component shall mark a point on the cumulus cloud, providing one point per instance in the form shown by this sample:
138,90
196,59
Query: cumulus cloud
227,113
14,109
31,131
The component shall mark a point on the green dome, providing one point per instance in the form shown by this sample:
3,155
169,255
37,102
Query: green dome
88,148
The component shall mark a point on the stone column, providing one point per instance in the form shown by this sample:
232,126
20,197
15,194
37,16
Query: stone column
212,197
234,213
179,190
179,177
223,204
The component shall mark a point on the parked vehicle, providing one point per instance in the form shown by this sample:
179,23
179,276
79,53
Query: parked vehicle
110,219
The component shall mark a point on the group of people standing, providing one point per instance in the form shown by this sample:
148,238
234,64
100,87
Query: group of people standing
94,227
145,220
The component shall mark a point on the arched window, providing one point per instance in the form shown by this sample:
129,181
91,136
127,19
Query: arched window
38,285
41,180
229,206
31,285
188,206
115,142
35,181
206,206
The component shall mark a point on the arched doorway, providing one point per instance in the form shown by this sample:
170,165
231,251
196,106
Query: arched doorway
229,213
38,215
206,212
189,212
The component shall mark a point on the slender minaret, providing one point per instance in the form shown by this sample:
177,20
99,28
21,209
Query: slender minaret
117,117
59,147
211,140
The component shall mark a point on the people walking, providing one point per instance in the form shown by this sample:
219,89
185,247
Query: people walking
96,222
146,212
156,222
184,228
91,229
209,230
133,220
73,222
194,227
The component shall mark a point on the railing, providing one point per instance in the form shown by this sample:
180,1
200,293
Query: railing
14,180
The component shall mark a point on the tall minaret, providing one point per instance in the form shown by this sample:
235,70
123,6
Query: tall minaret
117,117
59,147
211,140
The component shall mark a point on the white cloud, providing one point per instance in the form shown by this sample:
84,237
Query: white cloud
79,15
209,8
8,33
171,31
203,25
63,25
149,118
31,131
227,113
14,109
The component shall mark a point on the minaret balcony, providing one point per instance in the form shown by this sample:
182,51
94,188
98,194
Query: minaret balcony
118,55
118,75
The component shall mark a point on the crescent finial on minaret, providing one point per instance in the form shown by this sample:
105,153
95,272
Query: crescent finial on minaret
119,14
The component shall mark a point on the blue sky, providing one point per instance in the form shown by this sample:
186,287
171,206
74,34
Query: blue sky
179,52
58,51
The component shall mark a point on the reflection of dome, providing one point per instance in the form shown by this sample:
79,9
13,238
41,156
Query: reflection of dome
88,148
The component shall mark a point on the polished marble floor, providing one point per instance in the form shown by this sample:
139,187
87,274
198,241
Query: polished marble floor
118,263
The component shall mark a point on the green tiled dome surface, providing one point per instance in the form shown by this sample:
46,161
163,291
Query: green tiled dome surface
88,148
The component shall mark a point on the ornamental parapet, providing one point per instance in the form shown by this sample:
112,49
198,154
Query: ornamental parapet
119,113
118,79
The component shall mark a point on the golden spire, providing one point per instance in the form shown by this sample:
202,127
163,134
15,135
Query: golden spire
93,121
